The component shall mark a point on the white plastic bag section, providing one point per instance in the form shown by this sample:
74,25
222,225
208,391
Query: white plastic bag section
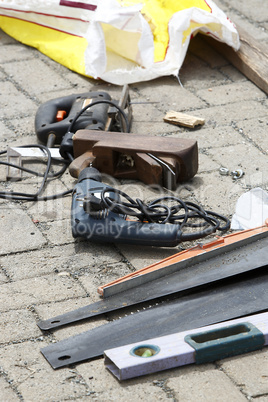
251,210
113,42
129,41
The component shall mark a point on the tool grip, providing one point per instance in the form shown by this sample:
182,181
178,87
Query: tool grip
45,118
224,342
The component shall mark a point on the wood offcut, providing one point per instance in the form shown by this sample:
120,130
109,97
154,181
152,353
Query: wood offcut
182,119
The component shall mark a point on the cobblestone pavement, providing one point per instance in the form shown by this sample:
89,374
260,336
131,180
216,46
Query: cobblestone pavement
45,272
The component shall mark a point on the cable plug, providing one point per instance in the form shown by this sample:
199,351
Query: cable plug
66,146
92,205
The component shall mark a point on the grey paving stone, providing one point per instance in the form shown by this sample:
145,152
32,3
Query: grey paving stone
148,127
216,193
167,94
20,127
3,277
7,393
210,137
16,295
256,130
6,39
22,234
234,112
17,325
15,53
13,102
106,273
35,379
242,156
73,258
255,10
5,133
206,163
231,93
43,79
52,210
109,389
255,363
206,77
263,398
233,74
58,232
204,383
142,256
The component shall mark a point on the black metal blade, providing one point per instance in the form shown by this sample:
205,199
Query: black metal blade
236,262
219,304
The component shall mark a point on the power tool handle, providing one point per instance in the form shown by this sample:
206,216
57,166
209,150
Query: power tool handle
45,118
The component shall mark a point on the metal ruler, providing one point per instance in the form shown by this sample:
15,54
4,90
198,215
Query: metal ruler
199,346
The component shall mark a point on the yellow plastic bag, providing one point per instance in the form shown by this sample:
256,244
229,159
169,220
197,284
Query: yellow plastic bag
122,41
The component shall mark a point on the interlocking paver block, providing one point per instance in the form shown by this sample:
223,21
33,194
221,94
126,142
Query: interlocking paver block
204,383
13,102
15,53
18,232
7,393
255,363
43,79
17,325
231,93
72,258
35,379
38,290
107,388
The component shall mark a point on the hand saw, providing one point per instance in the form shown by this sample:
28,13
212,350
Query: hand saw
185,275
217,304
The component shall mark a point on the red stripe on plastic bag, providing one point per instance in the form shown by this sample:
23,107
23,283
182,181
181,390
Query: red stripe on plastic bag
77,4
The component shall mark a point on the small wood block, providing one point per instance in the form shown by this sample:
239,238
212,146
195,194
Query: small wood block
182,119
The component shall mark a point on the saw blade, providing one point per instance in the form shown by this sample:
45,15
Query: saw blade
220,303
206,273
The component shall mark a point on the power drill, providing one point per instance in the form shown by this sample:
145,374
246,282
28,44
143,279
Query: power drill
100,214
91,220
55,117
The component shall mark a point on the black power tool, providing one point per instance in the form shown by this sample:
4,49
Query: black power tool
58,119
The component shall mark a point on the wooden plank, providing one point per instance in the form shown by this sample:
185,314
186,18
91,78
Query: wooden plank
251,59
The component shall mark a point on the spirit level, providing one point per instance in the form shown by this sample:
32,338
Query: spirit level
201,345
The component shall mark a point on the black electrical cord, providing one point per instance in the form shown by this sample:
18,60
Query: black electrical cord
182,213
18,196
34,172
